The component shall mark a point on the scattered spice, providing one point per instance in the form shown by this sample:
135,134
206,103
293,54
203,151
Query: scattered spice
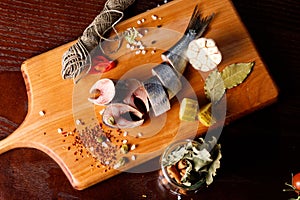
104,152
133,157
124,149
104,144
132,147
154,17
125,133
140,135
78,122
121,162
101,111
133,36
111,120
101,139
42,113
60,130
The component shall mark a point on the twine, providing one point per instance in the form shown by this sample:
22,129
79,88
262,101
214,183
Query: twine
75,59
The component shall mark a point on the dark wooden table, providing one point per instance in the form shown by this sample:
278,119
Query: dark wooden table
260,151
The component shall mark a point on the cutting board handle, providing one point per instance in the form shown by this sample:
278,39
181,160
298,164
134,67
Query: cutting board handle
12,141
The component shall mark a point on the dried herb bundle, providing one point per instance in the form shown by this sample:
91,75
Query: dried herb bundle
74,60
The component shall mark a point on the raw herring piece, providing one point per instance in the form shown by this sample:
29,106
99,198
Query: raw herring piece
129,91
103,92
118,115
168,77
203,54
157,96
176,55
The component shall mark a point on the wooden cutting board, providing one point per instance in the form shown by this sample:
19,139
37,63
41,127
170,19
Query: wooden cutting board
62,102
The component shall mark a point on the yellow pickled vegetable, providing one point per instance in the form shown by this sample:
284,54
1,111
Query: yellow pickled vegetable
188,109
205,115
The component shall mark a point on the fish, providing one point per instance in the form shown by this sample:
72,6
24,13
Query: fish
137,96
103,92
131,92
176,55
119,115
157,95
165,83
127,96
168,77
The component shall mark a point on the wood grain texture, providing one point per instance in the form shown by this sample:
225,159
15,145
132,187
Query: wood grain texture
31,174
50,94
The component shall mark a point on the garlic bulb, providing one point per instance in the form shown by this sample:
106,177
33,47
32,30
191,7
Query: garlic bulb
203,54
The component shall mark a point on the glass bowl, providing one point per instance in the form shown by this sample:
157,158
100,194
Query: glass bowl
167,181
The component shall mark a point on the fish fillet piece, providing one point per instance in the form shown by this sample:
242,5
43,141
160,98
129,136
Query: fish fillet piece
132,92
176,55
139,99
157,95
168,77
103,92
119,115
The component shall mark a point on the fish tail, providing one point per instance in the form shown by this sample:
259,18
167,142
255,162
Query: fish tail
197,24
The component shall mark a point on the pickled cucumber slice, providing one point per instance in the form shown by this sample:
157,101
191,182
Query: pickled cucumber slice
188,110
205,115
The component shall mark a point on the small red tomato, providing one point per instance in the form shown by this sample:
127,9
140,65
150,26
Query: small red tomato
101,64
296,182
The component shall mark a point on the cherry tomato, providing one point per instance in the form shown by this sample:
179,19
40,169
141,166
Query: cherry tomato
296,182
101,64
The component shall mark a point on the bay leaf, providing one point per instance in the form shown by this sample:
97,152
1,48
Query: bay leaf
235,74
215,165
214,86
